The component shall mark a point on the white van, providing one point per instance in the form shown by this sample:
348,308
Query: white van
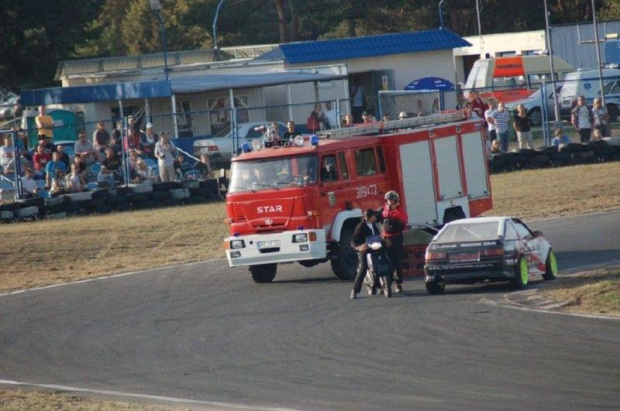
513,78
586,83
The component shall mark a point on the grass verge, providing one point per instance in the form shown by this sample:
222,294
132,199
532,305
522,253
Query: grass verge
592,292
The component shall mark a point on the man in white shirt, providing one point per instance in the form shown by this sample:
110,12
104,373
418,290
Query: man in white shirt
331,115
491,128
164,151
582,119
7,156
29,186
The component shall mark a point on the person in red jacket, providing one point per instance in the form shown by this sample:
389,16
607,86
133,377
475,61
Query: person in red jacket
395,220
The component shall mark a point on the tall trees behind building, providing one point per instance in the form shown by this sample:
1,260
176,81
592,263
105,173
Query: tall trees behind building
36,34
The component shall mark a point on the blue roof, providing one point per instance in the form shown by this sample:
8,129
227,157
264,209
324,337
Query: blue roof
369,46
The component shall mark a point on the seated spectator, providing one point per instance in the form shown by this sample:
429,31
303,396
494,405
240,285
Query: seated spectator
81,166
204,167
115,145
496,147
291,132
101,137
133,159
597,135
48,143
59,184
347,120
148,140
64,157
367,117
134,141
85,148
40,159
143,173
386,118
52,167
7,156
105,178
112,163
75,181
29,186
560,138
181,167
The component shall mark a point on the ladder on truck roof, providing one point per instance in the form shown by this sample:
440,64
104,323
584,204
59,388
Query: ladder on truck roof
378,127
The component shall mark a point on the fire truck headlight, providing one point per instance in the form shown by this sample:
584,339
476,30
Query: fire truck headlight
237,244
300,238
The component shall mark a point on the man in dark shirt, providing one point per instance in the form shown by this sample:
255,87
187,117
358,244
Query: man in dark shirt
64,157
365,228
112,163
290,133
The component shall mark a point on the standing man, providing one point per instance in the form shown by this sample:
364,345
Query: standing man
500,118
365,228
492,130
395,221
45,125
582,119
164,151
357,100
331,116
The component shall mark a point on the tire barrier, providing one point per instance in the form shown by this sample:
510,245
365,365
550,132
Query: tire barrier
567,155
104,200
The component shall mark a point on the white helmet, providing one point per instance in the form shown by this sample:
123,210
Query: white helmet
392,195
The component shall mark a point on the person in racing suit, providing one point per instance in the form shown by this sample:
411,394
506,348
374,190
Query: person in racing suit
395,219
365,228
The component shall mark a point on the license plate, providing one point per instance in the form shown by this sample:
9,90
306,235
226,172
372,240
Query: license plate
268,244
464,257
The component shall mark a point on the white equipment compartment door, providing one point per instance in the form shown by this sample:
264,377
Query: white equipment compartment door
448,168
417,172
475,165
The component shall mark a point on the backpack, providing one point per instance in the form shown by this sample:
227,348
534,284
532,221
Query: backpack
312,124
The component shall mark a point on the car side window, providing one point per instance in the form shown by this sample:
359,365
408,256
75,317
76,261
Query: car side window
510,232
522,230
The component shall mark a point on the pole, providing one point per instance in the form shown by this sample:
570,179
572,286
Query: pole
556,109
441,14
598,53
163,40
479,27
217,13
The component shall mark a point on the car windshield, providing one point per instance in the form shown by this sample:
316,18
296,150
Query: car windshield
455,233
273,173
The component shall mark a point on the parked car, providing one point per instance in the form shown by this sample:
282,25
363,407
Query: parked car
473,250
10,108
533,104
586,83
219,147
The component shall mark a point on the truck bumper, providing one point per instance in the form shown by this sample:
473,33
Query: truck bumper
276,248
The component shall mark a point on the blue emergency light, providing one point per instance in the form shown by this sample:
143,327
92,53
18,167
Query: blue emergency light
314,140
245,147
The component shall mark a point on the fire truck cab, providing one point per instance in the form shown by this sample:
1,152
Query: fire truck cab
301,202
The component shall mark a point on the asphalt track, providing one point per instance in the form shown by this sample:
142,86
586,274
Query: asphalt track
205,335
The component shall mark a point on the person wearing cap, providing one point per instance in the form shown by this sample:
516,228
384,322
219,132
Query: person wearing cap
402,115
395,219
365,228
148,140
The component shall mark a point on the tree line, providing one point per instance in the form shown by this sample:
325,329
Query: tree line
35,35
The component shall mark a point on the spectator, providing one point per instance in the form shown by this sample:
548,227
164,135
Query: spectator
105,178
560,139
386,118
582,119
58,183
29,186
112,164
86,149
421,110
601,117
52,166
148,140
469,113
134,141
204,167
143,173
133,159
495,147
118,131
21,140
347,120
80,165
402,115
101,137
597,135
40,160
7,156
181,167
501,118
45,125
358,101
477,104
314,121
64,157
522,128
291,132
75,181
115,146
491,129
165,151
330,115
367,117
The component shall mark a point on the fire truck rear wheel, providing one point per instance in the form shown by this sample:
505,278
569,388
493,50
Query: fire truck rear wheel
264,273
345,263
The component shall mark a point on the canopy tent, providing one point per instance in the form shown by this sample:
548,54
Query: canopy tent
432,84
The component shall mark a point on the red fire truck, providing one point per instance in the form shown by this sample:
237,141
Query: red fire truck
300,203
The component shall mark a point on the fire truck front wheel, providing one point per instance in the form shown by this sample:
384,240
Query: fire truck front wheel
344,263
264,273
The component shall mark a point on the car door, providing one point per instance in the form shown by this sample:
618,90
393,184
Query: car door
532,246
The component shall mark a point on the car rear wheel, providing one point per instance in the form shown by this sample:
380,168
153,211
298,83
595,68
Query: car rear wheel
521,274
264,273
551,267
435,288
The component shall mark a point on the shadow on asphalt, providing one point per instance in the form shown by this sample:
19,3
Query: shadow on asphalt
574,259
330,279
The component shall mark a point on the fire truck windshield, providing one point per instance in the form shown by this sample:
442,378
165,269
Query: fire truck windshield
273,173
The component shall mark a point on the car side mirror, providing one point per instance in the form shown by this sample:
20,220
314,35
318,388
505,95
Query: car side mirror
538,234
